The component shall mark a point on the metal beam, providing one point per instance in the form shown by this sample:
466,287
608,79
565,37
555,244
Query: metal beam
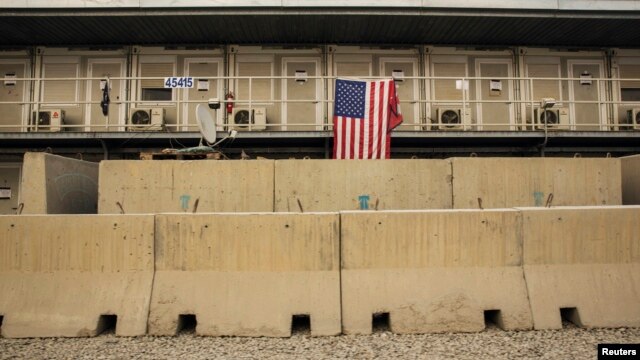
325,11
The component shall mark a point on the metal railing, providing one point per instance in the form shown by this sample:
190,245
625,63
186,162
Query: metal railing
480,103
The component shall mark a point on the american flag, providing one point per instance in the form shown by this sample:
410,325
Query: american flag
364,114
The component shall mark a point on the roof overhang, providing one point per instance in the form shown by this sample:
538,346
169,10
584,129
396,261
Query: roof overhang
308,26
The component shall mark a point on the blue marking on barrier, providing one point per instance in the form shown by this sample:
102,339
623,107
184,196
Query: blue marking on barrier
538,197
364,202
184,202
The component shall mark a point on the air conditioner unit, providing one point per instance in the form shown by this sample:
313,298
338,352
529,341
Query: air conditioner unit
633,118
145,119
242,117
47,120
556,118
452,118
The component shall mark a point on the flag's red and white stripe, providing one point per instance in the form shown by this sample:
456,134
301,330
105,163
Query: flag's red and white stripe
368,137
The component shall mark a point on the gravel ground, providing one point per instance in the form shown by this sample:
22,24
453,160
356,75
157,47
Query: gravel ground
568,343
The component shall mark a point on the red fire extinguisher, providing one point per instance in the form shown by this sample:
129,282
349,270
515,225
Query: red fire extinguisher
229,98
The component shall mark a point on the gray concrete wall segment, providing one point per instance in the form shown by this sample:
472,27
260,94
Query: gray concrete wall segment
585,259
247,274
325,185
56,280
185,186
510,182
54,184
432,271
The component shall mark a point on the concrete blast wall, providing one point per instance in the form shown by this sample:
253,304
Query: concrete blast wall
137,186
512,182
58,185
326,185
246,274
331,185
631,180
59,274
584,260
432,271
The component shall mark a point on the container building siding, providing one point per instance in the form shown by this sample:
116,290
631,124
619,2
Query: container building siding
421,98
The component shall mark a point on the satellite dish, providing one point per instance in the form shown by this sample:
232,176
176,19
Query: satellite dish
206,123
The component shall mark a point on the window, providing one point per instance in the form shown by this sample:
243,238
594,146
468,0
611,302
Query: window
153,89
544,88
449,89
60,92
154,94
261,88
630,90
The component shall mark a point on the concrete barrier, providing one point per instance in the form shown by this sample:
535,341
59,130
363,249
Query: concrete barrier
332,185
583,264
68,275
54,184
137,186
631,180
246,274
509,182
433,271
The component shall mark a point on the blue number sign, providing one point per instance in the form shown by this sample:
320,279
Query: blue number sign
178,82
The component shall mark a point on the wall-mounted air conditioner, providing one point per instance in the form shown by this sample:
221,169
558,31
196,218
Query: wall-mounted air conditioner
450,118
556,118
242,117
633,118
146,119
47,120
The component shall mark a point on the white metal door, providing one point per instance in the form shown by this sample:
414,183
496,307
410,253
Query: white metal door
407,89
591,115
301,116
203,90
104,69
12,116
497,112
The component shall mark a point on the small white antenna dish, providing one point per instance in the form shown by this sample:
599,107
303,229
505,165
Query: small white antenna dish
206,123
